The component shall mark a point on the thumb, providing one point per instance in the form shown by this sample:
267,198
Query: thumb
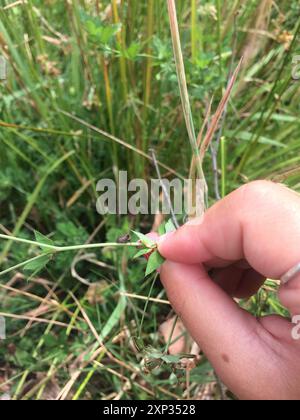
259,223
229,336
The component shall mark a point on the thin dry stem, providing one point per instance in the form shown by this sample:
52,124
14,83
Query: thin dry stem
216,118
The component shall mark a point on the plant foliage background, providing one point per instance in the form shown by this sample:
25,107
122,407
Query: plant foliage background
110,64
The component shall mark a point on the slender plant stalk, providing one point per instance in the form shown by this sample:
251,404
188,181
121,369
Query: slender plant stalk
171,334
214,145
166,194
223,166
230,18
219,17
146,305
194,44
41,130
55,248
108,95
20,265
21,384
149,63
120,38
200,137
50,373
218,115
184,95
182,79
121,142
88,377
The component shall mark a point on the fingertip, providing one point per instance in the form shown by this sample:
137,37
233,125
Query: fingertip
153,236
170,244
177,245
184,246
164,238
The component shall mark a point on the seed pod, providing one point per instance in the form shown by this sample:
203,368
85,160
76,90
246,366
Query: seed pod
124,239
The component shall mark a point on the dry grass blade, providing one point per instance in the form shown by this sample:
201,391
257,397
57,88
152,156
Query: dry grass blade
156,300
200,137
120,142
216,118
35,319
184,93
181,74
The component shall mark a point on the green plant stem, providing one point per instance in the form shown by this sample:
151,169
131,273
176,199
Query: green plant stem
149,63
223,165
194,29
21,384
146,305
121,42
171,335
120,142
22,264
55,248
186,107
219,16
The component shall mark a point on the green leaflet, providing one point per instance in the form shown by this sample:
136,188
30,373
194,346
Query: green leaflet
171,358
154,262
141,253
42,239
145,240
114,318
169,227
155,259
98,31
38,264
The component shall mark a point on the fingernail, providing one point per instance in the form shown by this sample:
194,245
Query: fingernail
195,221
165,237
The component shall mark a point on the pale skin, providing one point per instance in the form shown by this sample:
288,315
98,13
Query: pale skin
251,235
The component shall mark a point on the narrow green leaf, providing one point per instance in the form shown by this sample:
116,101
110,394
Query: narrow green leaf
161,229
154,262
132,52
38,264
145,240
170,358
98,31
39,237
138,344
114,318
141,253
170,226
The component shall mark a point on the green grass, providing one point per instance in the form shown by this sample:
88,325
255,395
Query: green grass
91,87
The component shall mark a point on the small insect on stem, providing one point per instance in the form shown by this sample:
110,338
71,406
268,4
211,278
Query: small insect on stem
124,239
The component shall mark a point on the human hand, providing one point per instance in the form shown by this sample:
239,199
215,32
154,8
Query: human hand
251,235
